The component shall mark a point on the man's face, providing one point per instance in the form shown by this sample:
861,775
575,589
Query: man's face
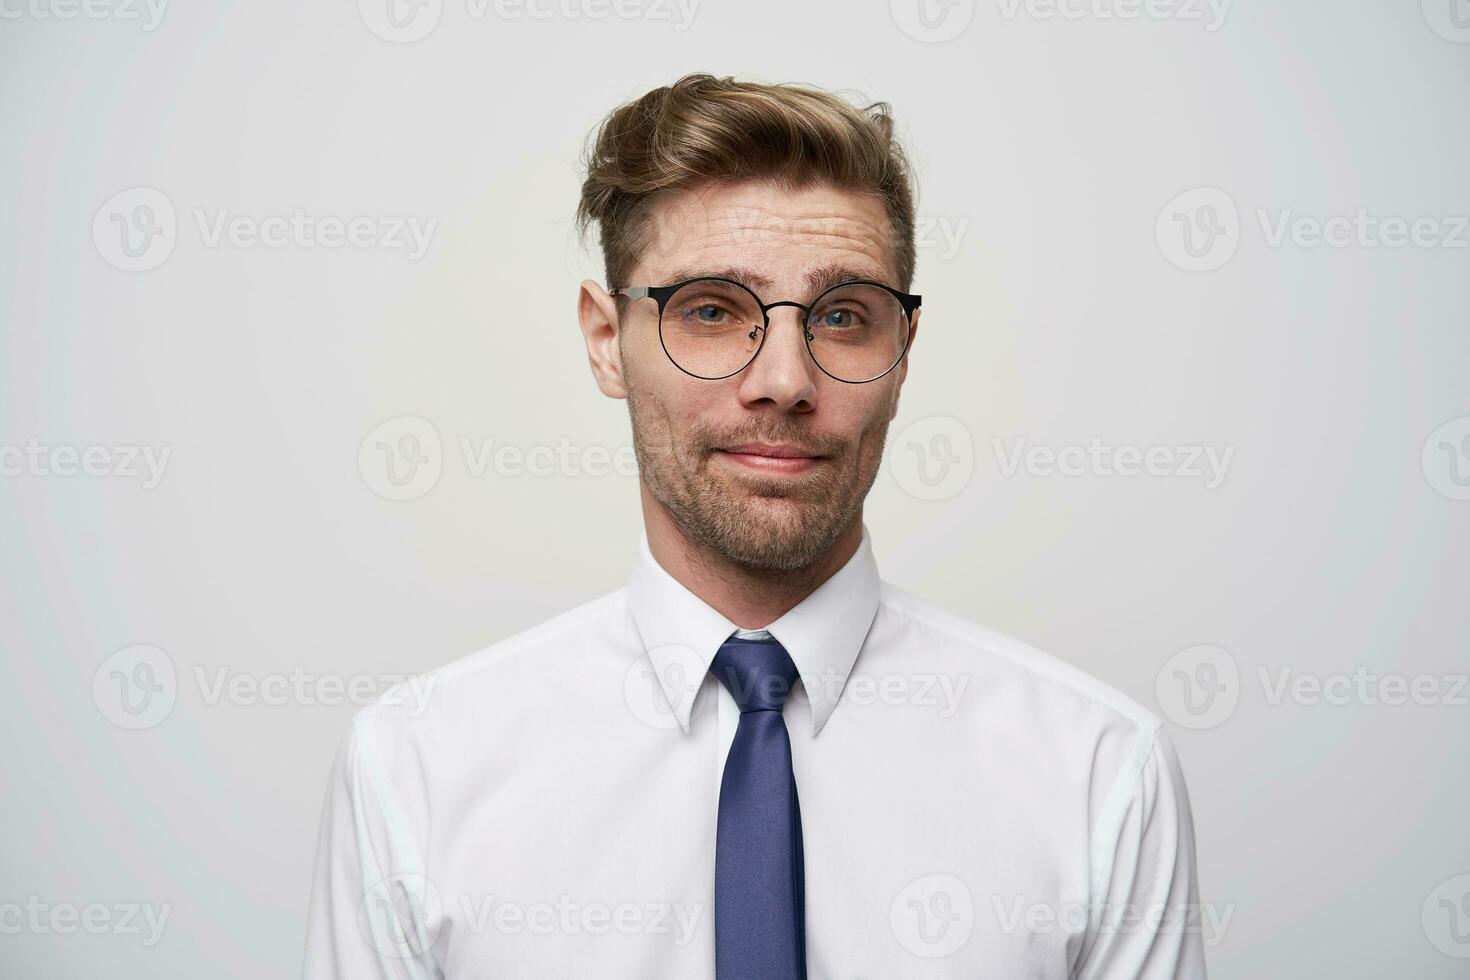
704,447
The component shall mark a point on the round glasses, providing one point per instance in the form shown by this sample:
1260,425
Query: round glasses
712,328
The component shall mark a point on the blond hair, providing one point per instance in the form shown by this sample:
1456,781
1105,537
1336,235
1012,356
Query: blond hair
702,129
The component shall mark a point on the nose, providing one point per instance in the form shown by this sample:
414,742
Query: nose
783,373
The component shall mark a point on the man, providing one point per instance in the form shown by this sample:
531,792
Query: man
757,761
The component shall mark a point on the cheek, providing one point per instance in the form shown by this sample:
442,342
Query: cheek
863,414
693,410
637,343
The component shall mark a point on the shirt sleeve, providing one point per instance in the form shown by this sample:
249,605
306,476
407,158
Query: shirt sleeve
1144,920
373,911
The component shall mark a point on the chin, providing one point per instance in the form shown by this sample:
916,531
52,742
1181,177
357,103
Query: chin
773,534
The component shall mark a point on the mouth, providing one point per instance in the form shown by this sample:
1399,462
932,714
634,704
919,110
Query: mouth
771,458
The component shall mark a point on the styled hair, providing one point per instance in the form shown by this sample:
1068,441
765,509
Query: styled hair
702,129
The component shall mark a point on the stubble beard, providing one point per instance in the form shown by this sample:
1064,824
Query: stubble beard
762,524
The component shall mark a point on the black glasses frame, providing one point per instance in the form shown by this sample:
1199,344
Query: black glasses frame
662,294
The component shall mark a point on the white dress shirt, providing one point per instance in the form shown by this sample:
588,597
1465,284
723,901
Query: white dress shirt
546,807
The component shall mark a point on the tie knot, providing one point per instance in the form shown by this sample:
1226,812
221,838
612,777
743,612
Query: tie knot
757,673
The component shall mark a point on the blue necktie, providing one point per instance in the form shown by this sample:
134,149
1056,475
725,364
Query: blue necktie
760,901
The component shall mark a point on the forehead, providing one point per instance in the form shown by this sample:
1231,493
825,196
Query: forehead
781,234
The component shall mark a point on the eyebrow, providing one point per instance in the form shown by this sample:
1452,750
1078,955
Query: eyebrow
825,277
818,280
747,277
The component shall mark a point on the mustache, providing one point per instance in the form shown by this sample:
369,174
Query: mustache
759,430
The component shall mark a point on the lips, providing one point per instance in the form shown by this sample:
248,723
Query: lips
772,459
774,451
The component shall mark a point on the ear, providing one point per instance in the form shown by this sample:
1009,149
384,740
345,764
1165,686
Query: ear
903,366
597,311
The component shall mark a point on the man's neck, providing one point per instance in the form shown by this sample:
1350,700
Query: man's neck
749,598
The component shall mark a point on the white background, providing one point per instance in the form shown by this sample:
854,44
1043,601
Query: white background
1049,143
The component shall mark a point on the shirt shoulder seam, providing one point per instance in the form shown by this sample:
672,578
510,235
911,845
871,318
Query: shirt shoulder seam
1125,789
545,631
908,605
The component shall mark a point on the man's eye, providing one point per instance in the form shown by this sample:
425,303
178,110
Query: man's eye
842,319
706,314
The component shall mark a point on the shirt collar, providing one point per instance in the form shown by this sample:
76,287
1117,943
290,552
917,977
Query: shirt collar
823,633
